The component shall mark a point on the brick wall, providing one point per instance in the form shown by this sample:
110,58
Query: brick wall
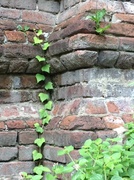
91,74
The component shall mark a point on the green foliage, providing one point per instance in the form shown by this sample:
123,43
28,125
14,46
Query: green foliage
23,29
97,18
39,141
102,160
36,155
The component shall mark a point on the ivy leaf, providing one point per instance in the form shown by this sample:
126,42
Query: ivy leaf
39,32
50,177
46,120
38,128
40,169
43,113
49,105
37,40
39,141
40,77
96,177
43,97
49,86
36,155
46,68
26,28
40,59
19,27
45,46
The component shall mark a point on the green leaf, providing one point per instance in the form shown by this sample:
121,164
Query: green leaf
96,177
37,40
39,141
40,59
49,105
26,28
19,27
38,128
46,120
66,150
36,155
45,46
37,177
49,86
50,177
101,30
40,77
39,32
43,113
43,97
46,68
116,178
40,169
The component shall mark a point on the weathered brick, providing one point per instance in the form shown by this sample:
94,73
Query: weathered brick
128,118
79,59
125,60
34,67
113,122
51,153
107,58
8,153
59,47
2,125
10,13
117,17
15,124
14,168
38,17
15,36
129,7
7,83
82,123
27,137
8,138
7,25
1,40
92,41
49,6
69,3
21,50
25,152
19,66
53,124
66,138
126,44
10,111
94,106
26,4
112,107
106,134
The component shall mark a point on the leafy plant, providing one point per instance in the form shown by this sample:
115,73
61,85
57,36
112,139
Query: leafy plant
97,18
23,29
101,160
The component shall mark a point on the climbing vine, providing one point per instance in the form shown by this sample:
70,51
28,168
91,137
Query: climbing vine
44,97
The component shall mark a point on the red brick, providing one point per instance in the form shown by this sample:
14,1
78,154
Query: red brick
113,122
82,123
66,138
25,152
121,29
2,125
14,168
112,107
27,137
117,17
38,17
30,123
8,138
51,153
128,118
53,124
10,111
19,66
15,124
95,107
106,134
92,41
8,153
126,44
45,28
7,25
28,81
7,83
10,13
15,36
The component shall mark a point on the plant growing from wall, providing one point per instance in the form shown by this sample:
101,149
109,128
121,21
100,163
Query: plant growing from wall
97,18
39,169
